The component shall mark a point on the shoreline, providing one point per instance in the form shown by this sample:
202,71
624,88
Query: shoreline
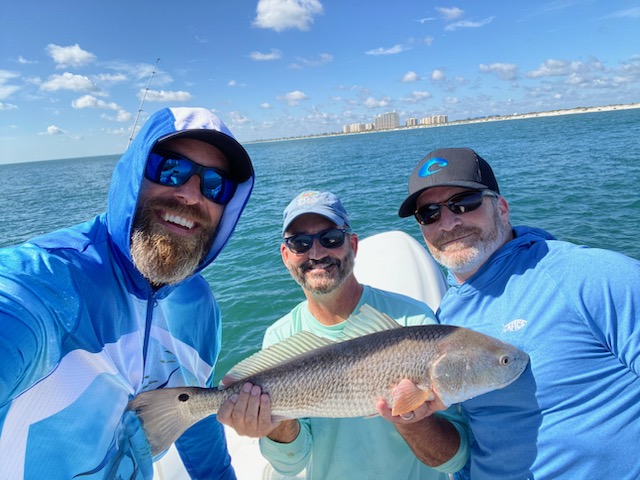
491,118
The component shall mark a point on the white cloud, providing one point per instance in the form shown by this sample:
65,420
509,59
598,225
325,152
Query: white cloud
110,78
504,71
89,101
437,75
563,68
410,77
72,56
7,90
274,55
468,24
428,41
294,98
166,96
68,81
386,51
236,118
322,59
8,106
282,14
53,130
450,13
628,13
417,96
23,61
265,106
373,103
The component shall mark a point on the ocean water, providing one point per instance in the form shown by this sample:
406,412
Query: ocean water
577,176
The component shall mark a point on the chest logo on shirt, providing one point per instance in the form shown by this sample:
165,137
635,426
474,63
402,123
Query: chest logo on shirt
514,325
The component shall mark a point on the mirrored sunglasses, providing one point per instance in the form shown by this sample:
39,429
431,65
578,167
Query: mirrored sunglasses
173,170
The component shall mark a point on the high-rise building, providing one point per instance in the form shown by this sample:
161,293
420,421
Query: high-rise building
385,121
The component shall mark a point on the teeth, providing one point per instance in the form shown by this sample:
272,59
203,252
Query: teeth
167,217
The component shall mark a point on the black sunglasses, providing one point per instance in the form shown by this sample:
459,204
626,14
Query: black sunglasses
329,238
459,203
172,170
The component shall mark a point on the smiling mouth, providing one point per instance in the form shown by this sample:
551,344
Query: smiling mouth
319,265
178,220
453,241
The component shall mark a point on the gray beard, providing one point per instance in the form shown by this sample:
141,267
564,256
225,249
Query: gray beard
476,255
326,283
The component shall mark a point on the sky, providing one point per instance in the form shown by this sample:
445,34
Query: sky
77,76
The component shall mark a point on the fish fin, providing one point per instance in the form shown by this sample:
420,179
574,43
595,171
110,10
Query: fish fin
407,396
161,414
367,320
277,354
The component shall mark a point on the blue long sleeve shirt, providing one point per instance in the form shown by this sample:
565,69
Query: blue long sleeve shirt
575,412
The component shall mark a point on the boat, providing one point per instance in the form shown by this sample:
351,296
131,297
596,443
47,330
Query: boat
392,261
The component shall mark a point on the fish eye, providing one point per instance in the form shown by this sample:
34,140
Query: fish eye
505,360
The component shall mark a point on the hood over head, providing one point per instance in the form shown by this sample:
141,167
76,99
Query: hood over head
126,181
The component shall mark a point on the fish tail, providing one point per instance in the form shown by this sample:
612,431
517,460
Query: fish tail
165,414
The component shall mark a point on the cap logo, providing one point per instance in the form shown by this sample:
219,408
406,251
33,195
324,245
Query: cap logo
432,166
308,198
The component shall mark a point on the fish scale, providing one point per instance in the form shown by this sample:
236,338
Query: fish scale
346,378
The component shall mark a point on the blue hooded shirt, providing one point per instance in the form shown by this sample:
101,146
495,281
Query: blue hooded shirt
575,411
82,332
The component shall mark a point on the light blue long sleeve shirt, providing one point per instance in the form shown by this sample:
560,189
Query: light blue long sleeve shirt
356,448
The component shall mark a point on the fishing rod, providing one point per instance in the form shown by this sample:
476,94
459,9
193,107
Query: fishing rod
144,96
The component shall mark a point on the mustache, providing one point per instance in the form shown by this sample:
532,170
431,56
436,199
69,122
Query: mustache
445,237
326,261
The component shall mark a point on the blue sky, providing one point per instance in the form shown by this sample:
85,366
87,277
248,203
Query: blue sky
72,73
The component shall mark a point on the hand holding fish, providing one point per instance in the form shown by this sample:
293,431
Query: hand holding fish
248,412
426,409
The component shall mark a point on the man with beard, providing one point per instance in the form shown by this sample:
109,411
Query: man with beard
96,313
319,250
574,413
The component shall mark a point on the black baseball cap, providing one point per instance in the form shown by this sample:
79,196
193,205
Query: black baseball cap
448,167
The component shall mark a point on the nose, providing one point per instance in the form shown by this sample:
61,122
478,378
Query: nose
316,251
189,192
448,220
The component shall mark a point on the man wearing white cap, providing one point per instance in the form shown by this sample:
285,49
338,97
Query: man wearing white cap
98,312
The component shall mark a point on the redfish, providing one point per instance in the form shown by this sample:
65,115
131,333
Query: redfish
309,376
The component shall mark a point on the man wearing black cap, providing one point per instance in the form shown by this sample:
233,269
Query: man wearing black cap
96,313
574,413
319,250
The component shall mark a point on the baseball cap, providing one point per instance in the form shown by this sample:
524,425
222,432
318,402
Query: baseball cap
320,203
201,124
448,167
